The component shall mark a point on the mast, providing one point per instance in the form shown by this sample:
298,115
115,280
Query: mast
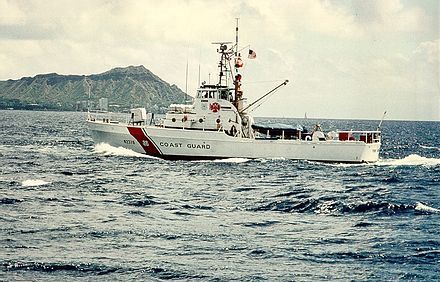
186,81
237,79
198,82
222,65
224,58
226,55
236,38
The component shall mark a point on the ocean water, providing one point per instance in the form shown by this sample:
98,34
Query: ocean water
72,210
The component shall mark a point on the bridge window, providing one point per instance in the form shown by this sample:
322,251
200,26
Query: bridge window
224,94
202,94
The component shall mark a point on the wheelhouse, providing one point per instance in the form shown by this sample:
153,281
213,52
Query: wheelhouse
215,92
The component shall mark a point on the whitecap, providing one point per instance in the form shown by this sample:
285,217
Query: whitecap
429,147
274,159
411,160
108,150
33,182
226,160
425,208
232,160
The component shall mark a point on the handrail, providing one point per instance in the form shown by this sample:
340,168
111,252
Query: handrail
358,131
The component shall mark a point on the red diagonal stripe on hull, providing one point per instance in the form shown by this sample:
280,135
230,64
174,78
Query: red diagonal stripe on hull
144,141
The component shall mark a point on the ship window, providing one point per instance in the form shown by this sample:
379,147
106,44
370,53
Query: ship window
207,94
203,94
224,94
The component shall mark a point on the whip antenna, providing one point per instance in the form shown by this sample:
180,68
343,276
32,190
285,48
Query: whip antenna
89,93
236,38
380,123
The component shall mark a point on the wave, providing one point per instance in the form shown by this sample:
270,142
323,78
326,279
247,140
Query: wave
266,223
429,147
161,273
9,201
108,150
411,160
340,164
196,207
227,160
370,206
232,160
52,267
289,206
139,200
425,208
242,160
337,207
34,182
170,274
274,159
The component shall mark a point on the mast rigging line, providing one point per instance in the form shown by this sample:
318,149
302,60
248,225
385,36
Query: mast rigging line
247,46
264,81
264,96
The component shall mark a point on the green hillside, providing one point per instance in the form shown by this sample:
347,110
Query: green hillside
124,88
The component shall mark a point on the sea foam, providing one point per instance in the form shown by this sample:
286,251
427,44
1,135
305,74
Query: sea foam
33,182
232,160
411,160
429,147
108,150
425,208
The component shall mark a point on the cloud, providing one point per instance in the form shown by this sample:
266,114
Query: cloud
34,32
334,52
430,51
389,15
10,13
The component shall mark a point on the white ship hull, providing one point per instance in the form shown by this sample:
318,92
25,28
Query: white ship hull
169,143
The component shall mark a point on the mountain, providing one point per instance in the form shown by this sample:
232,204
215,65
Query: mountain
123,88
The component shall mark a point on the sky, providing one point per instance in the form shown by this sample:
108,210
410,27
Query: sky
350,59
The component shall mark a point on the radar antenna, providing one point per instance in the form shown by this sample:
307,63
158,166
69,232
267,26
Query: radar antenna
225,54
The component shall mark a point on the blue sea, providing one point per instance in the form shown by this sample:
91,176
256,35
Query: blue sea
72,210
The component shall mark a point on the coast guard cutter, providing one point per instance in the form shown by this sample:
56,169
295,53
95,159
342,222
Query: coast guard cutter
218,125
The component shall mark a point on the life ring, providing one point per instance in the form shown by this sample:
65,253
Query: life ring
308,138
214,107
185,118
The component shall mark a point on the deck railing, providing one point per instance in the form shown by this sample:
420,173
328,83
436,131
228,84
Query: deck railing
364,136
